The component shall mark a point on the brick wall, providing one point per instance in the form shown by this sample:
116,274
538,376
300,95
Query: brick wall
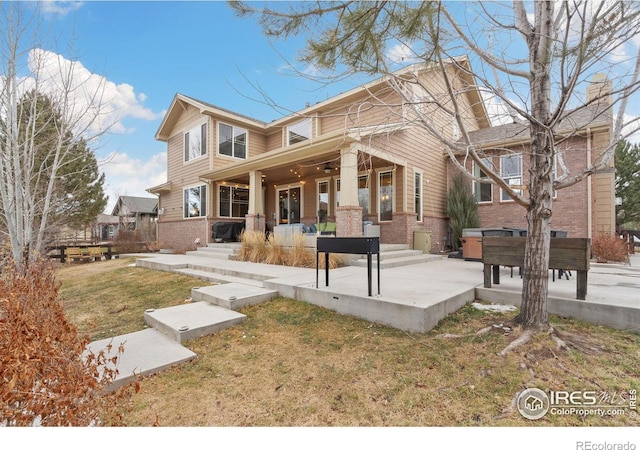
180,235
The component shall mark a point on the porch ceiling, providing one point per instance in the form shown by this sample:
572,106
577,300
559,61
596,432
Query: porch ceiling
315,161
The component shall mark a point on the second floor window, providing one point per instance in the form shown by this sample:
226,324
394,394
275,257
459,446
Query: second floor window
195,142
299,131
232,141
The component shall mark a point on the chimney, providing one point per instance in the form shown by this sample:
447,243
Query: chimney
599,89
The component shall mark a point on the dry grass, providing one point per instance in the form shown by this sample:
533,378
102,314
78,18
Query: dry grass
108,298
256,247
294,364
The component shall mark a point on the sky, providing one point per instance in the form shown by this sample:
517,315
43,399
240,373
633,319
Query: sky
144,52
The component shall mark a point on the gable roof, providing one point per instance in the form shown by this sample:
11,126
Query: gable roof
131,205
179,104
596,115
180,101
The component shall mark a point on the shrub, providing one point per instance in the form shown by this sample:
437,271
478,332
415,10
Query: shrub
462,209
255,247
47,376
608,248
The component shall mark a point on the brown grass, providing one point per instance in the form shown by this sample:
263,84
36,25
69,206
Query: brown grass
294,364
108,298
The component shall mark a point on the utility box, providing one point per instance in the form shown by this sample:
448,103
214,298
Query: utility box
422,241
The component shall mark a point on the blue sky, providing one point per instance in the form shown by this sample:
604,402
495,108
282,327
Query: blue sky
144,52
148,51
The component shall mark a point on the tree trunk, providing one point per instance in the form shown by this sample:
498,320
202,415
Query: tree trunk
535,279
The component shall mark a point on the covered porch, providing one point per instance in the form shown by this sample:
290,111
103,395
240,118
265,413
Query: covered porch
335,184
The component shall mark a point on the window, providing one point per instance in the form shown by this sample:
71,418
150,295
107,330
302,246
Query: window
511,173
417,187
323,201
195,202
455,128
363,193
385,196
232,141
289,204
195,142
298,132
482,191
234,201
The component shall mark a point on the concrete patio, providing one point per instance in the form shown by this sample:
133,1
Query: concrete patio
413,298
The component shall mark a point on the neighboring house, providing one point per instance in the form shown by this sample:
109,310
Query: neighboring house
137,214
105,227
346,160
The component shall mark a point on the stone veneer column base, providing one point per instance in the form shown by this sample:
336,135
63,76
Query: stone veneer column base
348,221
254,222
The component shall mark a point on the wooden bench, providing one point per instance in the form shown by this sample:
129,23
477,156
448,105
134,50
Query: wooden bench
566,254
88,253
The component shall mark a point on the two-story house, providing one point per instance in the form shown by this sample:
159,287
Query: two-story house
351,159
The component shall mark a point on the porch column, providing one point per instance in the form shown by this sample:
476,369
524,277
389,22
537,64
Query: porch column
349,213
255,219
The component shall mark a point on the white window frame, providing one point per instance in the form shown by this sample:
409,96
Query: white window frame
286,187
418,193
300,129
510,179
234,134
475,185
379,174
320,181
231,203
201,130
203,202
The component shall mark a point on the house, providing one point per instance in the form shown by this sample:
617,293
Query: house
137,214
105,227
582,210
349,160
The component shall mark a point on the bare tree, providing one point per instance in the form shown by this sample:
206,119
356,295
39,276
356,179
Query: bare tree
31,155
534,57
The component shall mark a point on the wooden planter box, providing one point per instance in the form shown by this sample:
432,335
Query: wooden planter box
565,254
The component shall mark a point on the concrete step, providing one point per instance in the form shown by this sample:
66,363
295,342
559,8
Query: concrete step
233,295
215,251
218,278
145,353
398,262
192,320
393,254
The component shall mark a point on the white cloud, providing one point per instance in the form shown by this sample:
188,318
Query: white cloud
131,176
59,7
97,105
402,54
